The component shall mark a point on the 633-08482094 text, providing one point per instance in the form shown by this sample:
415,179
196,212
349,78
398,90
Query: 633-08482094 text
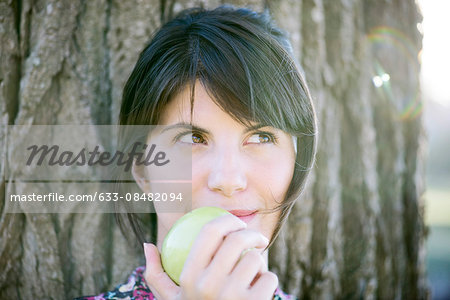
57,197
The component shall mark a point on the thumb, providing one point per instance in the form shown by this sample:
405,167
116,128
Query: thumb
159,282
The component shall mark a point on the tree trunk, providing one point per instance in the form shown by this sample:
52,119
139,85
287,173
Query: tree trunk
357,232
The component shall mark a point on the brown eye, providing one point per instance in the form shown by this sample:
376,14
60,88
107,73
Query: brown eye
197,139
264,138
260,138
192,138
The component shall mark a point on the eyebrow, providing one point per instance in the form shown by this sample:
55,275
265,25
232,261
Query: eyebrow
184,125
200,129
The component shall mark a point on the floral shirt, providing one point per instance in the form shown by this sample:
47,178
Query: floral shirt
136,288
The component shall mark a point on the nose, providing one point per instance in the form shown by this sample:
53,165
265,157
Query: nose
227,174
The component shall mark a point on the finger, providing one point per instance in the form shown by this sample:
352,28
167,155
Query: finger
158,281
206,244
248,268
232,248
265,286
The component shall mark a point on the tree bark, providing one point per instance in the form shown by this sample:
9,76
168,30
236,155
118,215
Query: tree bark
357,231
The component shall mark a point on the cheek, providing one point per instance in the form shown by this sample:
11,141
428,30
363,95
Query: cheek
199,173
273,175
267,223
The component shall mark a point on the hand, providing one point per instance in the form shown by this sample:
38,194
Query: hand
214,268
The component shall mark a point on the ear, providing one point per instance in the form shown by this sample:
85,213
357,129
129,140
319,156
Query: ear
140,177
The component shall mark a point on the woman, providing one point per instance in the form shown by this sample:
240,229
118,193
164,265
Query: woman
225,83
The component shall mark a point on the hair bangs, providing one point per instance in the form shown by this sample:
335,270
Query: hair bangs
252,77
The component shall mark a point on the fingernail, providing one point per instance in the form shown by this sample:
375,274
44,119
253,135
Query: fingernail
247,250
146,246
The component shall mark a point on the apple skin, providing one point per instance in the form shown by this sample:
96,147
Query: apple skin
178,241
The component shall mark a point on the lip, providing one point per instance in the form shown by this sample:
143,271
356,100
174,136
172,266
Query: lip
244,215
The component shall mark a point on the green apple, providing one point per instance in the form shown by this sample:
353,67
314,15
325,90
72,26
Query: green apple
178,242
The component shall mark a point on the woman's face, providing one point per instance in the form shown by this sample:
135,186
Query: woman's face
233,167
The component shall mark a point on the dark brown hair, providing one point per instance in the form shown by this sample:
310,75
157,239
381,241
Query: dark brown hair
245,63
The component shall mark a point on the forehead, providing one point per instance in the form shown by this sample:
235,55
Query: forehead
204,108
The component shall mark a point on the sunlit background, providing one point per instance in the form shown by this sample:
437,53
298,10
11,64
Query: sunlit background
436,92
